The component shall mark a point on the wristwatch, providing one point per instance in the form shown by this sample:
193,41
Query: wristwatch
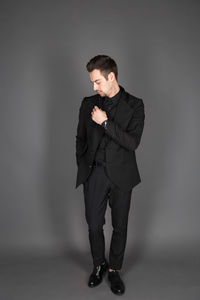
104,124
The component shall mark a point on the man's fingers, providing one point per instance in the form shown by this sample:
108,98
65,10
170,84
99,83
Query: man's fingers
94,108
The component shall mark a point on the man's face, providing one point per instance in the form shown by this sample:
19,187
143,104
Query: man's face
102,86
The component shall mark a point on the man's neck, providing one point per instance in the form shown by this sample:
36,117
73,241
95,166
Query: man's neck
114,92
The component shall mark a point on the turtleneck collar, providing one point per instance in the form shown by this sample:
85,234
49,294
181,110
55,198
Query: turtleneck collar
115,97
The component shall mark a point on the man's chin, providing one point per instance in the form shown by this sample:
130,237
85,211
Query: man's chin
101,94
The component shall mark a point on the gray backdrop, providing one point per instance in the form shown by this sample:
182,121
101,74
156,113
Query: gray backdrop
45,46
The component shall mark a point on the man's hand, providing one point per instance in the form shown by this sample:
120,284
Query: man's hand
98,115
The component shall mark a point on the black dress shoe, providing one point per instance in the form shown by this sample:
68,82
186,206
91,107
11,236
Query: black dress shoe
97,275
117,285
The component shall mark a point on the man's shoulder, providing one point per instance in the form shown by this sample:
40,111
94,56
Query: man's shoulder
133,100
89,99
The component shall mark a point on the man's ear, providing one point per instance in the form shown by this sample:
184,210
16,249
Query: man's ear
111,76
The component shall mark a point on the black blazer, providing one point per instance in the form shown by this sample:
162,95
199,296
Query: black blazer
125,131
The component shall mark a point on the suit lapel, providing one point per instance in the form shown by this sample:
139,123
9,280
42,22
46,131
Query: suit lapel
123,112
97,129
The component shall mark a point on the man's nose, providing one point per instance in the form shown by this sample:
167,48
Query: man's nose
95,87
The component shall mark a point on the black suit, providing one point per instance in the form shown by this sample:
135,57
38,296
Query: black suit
114,180
125,132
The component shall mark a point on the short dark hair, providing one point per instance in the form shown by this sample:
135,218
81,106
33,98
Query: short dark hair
104,63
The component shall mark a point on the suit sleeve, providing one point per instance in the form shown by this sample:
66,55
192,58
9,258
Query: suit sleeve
81,143
129,138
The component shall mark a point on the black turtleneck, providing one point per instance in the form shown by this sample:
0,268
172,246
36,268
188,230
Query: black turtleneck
109,105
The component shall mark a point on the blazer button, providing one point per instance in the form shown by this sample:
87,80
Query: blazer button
90,166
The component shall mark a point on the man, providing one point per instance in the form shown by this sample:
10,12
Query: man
109,131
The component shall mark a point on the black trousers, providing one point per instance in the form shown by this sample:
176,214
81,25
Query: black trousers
98,189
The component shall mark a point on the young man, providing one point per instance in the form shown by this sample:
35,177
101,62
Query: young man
109,131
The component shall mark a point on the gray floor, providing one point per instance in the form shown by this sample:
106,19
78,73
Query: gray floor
156,276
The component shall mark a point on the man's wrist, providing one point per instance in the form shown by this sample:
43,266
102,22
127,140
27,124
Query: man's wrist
104,123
